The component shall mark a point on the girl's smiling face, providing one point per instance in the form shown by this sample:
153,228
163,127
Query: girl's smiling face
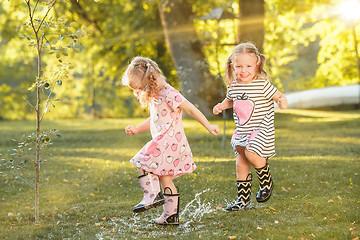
245,66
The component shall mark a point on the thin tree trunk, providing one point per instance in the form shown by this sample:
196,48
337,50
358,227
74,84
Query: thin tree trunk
38,121
197,84
251,27
39,113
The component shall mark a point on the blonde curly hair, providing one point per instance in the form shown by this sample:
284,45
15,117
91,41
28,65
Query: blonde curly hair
142,75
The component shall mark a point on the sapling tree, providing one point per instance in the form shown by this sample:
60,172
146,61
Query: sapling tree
50,37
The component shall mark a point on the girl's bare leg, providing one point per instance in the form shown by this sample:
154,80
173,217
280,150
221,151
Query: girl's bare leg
263,172
255,160
140,171
167,182
242,164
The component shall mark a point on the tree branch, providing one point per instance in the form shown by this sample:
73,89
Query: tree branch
47,12
22,179
84,15
35,7
31,17
48,98
29,103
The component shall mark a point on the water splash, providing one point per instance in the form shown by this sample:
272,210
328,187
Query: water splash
137,225
195,209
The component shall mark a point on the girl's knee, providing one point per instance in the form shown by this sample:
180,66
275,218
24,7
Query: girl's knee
249,155
256,160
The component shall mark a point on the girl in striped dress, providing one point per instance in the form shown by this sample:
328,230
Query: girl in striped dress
252,96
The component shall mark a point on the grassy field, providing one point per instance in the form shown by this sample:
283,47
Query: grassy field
88,187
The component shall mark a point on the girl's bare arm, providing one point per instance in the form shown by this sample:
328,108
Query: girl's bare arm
190,109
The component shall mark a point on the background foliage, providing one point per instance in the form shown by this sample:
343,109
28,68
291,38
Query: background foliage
308,45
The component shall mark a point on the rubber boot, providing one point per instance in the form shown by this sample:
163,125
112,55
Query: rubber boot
152,193
244,193
170,215
266,184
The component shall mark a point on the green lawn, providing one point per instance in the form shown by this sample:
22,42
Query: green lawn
88,186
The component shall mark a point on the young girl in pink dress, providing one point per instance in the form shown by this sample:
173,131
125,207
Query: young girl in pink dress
168,154
252,96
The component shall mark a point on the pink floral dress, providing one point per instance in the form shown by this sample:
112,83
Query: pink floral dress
168,153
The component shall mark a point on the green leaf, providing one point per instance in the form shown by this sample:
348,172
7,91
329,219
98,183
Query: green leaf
32,86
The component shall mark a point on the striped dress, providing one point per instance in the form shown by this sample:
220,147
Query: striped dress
254,116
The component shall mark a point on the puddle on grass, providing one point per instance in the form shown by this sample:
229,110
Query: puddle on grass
137,225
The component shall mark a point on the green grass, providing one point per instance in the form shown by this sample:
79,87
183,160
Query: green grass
88,186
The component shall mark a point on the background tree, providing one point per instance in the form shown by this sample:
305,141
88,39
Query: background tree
109,48
309,45
251,27
300,54
197,84
14,66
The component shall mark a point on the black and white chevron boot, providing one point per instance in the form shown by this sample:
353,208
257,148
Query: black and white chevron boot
244,192
266,184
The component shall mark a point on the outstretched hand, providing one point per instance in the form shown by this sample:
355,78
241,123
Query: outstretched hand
130,130
214,129
282,102
217,109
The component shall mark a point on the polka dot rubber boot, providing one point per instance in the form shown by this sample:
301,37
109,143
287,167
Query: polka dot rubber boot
170,215
152,193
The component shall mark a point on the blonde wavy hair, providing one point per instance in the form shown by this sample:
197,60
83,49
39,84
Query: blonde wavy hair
142,75
246,47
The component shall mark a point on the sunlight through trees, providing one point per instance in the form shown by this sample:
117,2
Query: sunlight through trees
308,45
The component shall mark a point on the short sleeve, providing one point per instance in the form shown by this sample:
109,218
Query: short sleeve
228,93
174,98
269,90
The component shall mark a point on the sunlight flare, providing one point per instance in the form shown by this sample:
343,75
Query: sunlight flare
350,10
